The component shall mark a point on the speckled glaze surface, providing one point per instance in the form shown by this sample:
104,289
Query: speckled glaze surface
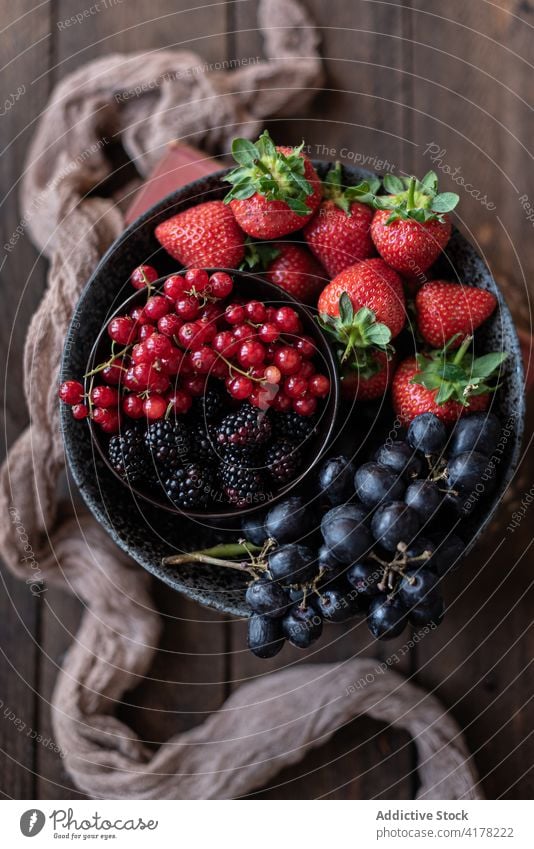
147,533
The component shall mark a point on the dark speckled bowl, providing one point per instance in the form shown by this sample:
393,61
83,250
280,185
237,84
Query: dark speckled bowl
148,533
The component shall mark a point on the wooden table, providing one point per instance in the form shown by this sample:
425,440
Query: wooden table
406,81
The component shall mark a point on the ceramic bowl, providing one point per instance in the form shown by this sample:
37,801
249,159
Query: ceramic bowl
148,533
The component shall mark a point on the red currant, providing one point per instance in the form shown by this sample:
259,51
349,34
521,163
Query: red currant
171,364
105,396
225,343
239,387
130,381
122,329
295,386
80,411
282,403
243,332
262,396
132,406
251,353
268,332
319,385
156,307
187,307
192,335
287,320
306,346
137,314
148,378
270,314
158,346
255,311
142,276
305,406
307,369
195,385
180,401
220,369
287,359
110,423
210,314
203,359
221,284
174,286
235,314
154,407
71,392
272,374
145,331
169,325
197,279
113,373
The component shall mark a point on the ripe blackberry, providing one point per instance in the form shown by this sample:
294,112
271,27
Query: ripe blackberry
203,442
247,456
207,407
292,426
128,455
242,485
189,486
247,426
283,460
168,442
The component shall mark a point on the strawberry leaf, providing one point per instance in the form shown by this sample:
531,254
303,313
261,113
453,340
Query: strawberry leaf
430,182
457,375
346,311
244,151
484,366
445,202
393,185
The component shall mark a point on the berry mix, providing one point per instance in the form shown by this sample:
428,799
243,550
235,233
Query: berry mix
211,393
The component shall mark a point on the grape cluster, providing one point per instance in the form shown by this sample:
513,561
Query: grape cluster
386,536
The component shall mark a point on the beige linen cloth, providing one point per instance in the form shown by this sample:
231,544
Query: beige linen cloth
270,722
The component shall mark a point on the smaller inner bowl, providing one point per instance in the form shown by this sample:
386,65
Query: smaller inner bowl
250,287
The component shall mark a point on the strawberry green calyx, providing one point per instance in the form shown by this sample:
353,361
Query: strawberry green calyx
358,336
344,196
258,256
409,197
270,172
458,375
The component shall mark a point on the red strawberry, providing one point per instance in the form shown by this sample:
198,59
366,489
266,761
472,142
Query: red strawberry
372,284
206,236
448,384
289,266
339,233
444,310
368,384
275,190
410,227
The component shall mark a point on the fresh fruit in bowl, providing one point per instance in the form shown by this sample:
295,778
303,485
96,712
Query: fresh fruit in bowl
197,383
204,387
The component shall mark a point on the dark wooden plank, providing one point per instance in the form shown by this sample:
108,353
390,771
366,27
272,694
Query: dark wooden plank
25,52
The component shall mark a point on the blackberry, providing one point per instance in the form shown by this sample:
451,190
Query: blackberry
189,486
207,407
203,442
168,442
242,485
292,426
283,460
247,426
128,455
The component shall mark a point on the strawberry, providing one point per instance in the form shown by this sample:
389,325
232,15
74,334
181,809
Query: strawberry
275,190
363,309
339,233
444,310
368,383
290,266
410,226
447,383
206,236
372,284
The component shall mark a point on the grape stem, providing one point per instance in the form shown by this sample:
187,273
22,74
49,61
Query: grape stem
222,555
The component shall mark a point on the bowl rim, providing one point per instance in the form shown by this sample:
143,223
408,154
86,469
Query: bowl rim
323,434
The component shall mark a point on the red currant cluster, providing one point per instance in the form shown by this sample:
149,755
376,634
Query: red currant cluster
189,332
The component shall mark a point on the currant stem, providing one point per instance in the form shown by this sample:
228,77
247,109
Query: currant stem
102,366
